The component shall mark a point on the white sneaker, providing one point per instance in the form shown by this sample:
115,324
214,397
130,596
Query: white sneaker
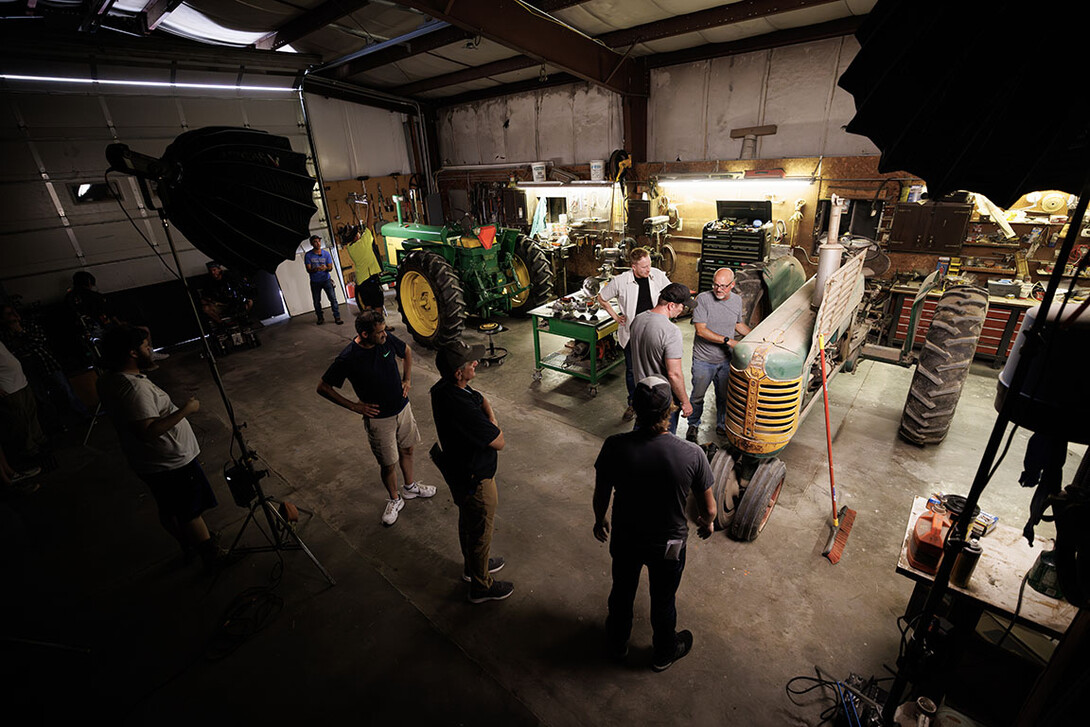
393,507
416,489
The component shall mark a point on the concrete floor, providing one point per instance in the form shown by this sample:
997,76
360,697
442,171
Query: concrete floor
103,617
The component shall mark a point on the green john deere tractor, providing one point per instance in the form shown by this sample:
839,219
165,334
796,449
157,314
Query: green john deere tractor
447,273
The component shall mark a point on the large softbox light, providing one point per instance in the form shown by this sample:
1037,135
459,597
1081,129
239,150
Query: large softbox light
240,196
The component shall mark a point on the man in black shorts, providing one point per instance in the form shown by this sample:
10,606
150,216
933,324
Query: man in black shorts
652,473
157,440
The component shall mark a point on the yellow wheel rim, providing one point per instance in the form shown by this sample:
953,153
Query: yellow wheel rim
522,279
419,305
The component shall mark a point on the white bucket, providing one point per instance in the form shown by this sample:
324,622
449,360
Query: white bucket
597,170
539,171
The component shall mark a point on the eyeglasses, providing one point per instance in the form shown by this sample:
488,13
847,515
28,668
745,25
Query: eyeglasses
717,286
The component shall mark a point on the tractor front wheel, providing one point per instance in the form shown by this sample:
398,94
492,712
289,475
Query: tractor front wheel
532,271
430,298
757,502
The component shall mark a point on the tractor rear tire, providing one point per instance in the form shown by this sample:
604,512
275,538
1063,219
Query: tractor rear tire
531,268
752,513
430,299
943,365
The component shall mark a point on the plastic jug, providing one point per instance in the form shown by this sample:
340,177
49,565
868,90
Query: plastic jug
925,543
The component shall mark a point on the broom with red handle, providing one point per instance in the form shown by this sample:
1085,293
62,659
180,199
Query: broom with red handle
842,520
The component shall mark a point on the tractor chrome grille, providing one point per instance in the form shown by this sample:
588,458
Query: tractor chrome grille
762,413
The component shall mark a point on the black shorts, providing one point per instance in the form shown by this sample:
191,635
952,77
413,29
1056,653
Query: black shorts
183,493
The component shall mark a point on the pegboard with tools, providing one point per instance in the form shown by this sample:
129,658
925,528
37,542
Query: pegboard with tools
351,200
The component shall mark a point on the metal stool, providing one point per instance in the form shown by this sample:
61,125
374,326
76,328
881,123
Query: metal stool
494,355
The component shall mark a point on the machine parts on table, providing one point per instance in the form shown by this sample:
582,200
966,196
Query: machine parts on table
577,308
926,541
741,235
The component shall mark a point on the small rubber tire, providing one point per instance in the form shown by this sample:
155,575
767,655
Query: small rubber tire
758,501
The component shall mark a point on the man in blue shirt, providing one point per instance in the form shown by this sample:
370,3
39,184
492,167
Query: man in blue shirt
318,263
370,363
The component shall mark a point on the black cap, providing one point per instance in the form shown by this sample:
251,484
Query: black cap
455,355
677,293
652,398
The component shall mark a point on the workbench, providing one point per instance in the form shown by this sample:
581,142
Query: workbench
994,585
598,327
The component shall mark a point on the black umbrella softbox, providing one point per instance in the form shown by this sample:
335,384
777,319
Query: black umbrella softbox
977,95
240,196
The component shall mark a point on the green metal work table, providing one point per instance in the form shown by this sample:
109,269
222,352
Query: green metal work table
546,320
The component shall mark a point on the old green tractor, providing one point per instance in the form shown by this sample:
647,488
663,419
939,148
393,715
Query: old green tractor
775,376
447,273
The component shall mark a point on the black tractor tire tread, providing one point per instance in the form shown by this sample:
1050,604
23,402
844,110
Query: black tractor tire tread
747,523
449,294
944,363
541,275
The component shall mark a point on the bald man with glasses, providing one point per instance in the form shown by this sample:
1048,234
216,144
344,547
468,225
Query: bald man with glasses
718,320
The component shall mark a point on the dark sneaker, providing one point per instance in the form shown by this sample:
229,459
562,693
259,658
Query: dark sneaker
494,564
499,591
338,321
684,645
617,652
721,431
321,321
629,414
691,434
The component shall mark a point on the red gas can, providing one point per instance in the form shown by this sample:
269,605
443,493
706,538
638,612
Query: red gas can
925,543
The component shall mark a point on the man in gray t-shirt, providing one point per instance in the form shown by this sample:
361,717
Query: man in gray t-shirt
718,319
656,345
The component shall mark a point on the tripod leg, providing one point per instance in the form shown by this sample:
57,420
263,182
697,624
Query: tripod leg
302,546
91,426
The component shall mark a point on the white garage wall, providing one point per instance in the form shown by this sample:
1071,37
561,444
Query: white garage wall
55,134
694,106
354,141
565,125
691,110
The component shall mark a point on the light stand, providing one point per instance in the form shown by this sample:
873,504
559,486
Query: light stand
243,478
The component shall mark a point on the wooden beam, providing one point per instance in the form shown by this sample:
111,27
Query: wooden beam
309,22
542,39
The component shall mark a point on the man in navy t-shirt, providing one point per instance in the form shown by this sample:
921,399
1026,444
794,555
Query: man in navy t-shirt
318,263
369,362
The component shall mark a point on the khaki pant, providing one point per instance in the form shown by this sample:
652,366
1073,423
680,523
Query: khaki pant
475,517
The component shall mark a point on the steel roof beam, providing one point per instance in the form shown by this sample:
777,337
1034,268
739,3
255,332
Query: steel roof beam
705,20
540,38
309,22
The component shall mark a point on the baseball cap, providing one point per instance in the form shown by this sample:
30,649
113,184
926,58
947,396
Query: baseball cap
455,355
652,397
677,293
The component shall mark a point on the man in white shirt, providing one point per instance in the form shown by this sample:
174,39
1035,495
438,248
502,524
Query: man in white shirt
636,291
158,440
20,434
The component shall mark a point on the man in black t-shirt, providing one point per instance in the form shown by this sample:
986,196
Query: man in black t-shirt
470,438
370,363
652,473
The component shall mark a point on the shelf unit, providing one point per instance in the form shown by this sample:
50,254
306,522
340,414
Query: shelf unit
1022,229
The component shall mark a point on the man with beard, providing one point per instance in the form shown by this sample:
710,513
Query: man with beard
158,441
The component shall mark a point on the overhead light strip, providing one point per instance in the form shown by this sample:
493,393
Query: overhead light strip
148,84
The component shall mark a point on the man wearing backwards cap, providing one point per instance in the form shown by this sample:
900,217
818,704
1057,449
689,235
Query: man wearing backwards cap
656,345
470,438
652,475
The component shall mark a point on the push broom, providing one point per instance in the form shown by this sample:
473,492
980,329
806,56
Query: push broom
845,517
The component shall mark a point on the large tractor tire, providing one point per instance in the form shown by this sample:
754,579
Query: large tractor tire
531,269
943,365
757,502
430,298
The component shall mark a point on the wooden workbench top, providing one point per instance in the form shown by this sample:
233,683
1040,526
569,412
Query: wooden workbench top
998,574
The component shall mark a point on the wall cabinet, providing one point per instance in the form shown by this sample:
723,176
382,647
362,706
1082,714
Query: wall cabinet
937,228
